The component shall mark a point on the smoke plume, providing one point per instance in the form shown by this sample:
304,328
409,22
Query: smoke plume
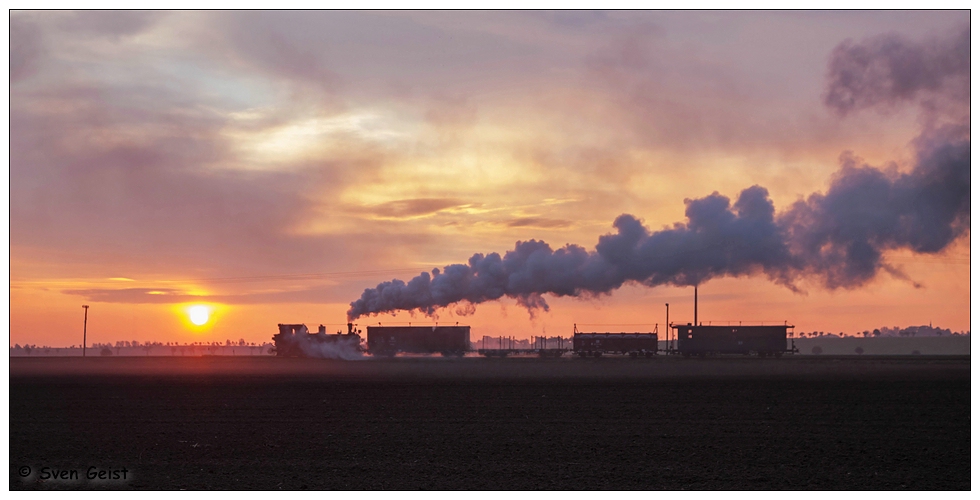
836,239
886,70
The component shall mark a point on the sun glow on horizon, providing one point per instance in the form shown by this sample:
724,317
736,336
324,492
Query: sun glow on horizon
199,314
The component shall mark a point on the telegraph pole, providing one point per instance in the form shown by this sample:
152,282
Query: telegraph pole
85,331
668,326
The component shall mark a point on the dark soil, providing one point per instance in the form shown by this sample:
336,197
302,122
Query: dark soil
434,424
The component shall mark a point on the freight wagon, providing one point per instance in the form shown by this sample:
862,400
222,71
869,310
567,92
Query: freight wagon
295,340
390,340
703,340
634,344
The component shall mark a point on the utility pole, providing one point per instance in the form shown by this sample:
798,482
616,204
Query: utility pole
669,342
85,331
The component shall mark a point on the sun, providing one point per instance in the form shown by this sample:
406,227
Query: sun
199,314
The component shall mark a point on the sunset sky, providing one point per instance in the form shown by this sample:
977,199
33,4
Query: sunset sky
274,165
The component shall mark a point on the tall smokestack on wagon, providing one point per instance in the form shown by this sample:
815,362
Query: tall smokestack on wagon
695,306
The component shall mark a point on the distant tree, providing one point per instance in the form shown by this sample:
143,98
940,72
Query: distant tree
147,347
865,333
17,346
27,350
876,332
859,350
173,350
106,351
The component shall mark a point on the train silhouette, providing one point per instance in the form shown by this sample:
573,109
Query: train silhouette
295,340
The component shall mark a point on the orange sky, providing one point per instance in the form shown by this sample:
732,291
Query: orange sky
274,165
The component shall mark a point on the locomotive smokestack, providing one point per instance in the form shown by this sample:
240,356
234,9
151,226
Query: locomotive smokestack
350,328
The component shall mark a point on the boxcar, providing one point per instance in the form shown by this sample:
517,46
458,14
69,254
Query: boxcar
634,344
390,340
703,340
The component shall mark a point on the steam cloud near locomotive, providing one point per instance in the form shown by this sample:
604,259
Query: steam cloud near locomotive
835,239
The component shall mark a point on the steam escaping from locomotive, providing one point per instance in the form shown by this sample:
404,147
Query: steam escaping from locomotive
836,239
295,340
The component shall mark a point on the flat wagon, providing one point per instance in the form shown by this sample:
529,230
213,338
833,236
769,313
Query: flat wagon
390,340
595,344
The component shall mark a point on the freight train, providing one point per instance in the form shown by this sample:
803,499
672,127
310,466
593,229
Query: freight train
294,340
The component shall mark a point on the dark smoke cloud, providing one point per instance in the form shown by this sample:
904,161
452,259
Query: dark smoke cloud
885,70
836,238
840,236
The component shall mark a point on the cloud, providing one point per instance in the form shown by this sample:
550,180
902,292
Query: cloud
415,207
110,23
882,71
836,238
317,294
26,48
538,222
